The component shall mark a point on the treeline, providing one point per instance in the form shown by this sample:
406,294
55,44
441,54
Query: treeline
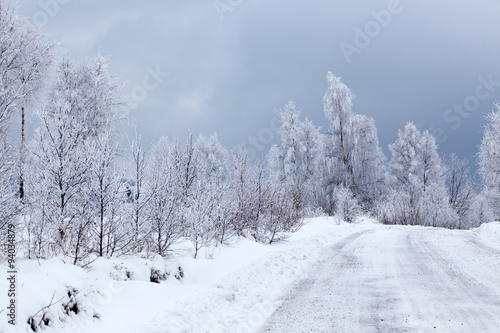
344,172
67,194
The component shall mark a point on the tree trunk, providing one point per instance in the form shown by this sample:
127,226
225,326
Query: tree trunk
21,176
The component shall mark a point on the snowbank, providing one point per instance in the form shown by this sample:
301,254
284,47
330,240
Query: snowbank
490,233
65,297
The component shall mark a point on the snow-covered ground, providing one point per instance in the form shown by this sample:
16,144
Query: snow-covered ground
489,233
400,279
362,277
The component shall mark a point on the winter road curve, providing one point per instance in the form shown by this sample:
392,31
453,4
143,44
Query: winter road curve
398,279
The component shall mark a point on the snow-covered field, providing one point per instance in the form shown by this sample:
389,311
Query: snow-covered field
363,277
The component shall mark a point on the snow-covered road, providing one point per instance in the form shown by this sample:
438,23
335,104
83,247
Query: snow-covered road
398,279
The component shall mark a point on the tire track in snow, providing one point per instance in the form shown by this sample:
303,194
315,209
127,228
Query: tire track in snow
395,280
319,307
355,290
463,301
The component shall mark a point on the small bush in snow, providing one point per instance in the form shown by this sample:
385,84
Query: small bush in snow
157,276
180,273
280,215
346,205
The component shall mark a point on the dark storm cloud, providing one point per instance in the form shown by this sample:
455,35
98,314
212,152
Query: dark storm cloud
229,75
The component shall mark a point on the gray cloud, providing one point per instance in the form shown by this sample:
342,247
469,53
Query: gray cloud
229,75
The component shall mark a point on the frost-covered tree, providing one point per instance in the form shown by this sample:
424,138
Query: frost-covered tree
338,110
310,137
417,177
434,208
461,190
479,213
10,94
163,209
367,160
405,165
198,216
205,205
140,196
200,171
351,155
103,102
187,169
398,207
293,161
104,109
213,173
25,57
62,164
489,161
25,60
247,192
280,213
433,168
10,90
415,161
325,182
104,191
74,157
347,208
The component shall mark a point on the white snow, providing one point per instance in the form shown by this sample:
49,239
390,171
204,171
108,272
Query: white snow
489,233
368,269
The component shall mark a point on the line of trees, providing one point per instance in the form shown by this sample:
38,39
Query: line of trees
344,172
67,194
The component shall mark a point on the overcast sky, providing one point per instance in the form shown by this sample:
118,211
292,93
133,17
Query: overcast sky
232,64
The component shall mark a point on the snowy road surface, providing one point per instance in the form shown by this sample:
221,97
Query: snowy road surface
398,279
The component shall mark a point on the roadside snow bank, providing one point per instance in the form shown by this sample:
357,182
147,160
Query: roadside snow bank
490,233
53,296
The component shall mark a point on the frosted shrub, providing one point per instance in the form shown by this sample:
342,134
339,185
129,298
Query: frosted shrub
346,205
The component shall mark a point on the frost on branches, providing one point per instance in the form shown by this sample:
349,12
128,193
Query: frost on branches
72,186
417,178
25,59
293,163
489,161
351,155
